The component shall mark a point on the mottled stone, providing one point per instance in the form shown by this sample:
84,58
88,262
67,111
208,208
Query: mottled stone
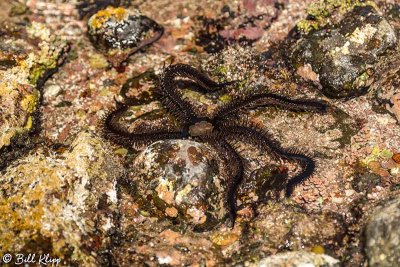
61,202
120,32
298,259
344,55
28,55
180,179
289,227
383,235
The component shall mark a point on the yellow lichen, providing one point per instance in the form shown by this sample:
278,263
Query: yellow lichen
98,61
376,155
104,15
29,102
43,197
18,81
318,249
321,10
224,239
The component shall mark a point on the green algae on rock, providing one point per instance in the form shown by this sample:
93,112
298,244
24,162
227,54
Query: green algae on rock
119,32
344,54
322,12
61,203
179,179
28,55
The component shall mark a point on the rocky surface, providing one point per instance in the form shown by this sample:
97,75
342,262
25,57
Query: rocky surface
76,197
298,258
343,55
28,56
61,201
383,235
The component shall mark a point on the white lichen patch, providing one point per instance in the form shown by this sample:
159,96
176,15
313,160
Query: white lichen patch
365,34
39,30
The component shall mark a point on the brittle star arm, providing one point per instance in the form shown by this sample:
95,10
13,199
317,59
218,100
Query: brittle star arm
234,163
263,141
196,78
269,100
120,135
171,96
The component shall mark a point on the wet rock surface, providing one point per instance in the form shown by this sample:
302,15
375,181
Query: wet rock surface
355,145
61,202
344,55
383,235
181,180
119,32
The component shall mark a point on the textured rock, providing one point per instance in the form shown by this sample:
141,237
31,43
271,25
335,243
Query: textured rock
28,55
383,236
289,227
179,179
343,55
298,259
60,202
119,32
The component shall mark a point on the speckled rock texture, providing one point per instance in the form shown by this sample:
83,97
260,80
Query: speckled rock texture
298,259
119,32
383,235
180,178
61,202
343,55
95,203
28,55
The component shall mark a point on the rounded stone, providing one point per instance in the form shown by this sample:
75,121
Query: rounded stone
383,236
344,55
179,179
120,32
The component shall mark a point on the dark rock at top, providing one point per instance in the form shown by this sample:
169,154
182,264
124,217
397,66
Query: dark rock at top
120,32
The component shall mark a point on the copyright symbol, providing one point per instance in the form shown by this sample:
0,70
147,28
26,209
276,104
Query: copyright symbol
7,258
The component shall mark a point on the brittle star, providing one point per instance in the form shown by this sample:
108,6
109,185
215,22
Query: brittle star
220,130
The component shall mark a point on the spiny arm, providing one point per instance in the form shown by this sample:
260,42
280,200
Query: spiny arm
111,130
262,140
234,163
269,100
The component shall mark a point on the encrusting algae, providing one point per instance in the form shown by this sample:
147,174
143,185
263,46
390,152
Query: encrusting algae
29,65
60,203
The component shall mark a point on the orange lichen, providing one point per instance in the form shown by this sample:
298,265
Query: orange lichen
396,157
102,16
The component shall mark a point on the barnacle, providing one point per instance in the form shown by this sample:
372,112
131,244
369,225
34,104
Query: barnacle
221,130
